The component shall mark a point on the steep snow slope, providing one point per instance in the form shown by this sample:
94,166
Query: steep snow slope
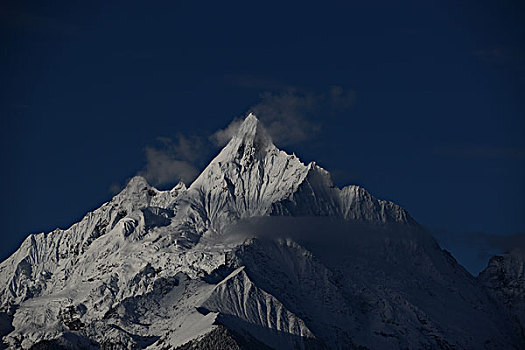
261,244
389,290
42,255
251,177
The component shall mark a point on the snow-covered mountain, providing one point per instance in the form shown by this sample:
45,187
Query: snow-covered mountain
261,251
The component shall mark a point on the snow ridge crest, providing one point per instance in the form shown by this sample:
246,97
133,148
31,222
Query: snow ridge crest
161,266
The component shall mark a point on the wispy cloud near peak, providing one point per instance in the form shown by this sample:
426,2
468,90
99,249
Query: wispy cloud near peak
287,113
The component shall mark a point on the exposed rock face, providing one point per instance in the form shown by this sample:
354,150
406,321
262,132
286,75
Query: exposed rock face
504,277
261,251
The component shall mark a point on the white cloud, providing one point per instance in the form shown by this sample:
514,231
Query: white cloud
222,136
286,113
173,160
162,168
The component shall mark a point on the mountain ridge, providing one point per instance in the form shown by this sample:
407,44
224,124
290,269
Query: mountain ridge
160,269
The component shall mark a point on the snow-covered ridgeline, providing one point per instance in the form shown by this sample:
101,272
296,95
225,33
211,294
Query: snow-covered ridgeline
156,269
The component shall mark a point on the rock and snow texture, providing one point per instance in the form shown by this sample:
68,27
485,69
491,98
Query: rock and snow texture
504,277
198,268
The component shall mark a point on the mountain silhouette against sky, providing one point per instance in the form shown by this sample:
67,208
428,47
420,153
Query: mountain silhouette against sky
260,251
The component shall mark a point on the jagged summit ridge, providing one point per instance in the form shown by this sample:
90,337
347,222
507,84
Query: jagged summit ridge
246,177
252,132
251,140
252,177
249,177
158,269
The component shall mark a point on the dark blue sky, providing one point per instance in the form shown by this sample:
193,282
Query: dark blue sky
436,119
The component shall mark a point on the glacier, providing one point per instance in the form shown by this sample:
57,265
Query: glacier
261,251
